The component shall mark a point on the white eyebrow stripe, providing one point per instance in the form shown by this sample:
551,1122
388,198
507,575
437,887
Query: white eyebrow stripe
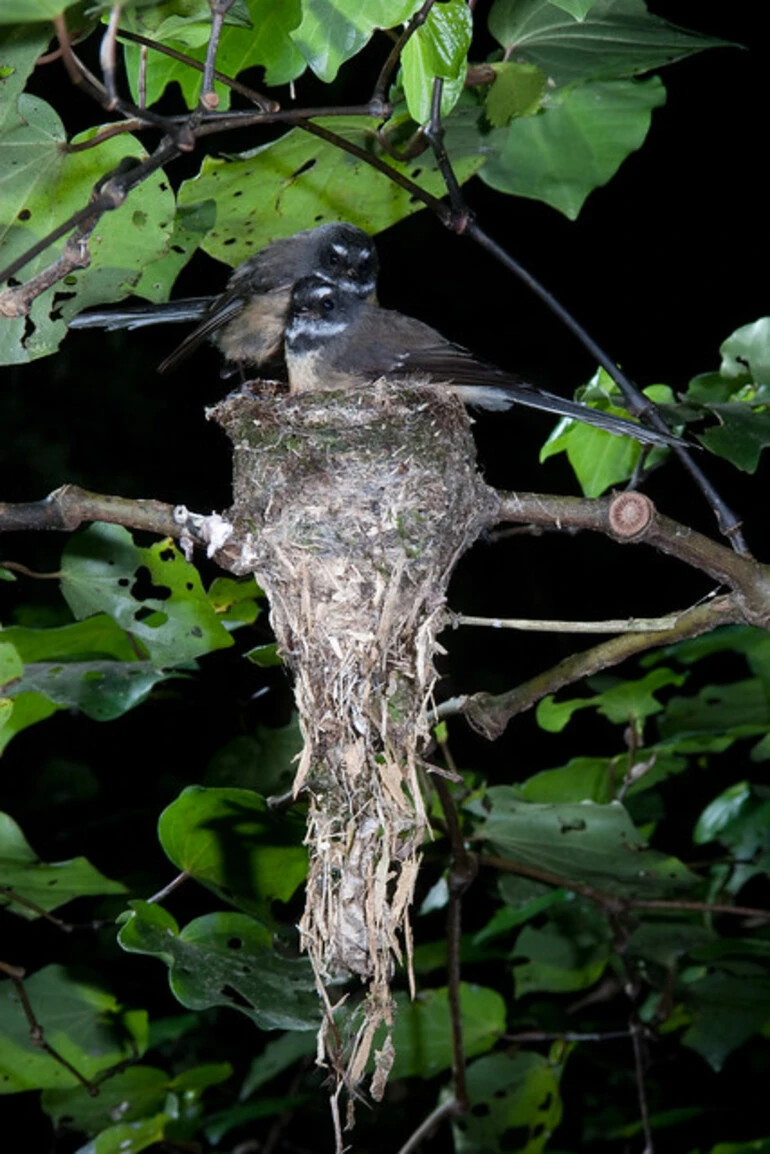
315,328
340,249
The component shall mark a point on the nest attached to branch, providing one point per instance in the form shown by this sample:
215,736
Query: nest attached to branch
353,508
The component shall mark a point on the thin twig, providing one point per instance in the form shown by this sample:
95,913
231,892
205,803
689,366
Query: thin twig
36,1032
219,9
174,884
446,1109
66,927
615,904
527,625
107,55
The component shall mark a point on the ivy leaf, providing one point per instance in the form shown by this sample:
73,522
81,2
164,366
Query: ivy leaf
439,47
613,39
570,952
154,594
510,1093
47,885
265,762
260,197
517,90
422,1030
334,30
225,959
727,1006
137,1093
598,459
594,844
576,144
85,1025
228,840
43,184
740,436
622,703
746,353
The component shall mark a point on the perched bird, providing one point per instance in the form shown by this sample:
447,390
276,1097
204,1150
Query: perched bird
247,321
335,340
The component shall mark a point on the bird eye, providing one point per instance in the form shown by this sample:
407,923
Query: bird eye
327,305
334,260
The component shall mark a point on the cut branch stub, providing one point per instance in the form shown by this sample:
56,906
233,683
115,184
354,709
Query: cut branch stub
354,507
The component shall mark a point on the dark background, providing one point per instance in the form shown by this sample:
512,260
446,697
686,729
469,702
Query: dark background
662,265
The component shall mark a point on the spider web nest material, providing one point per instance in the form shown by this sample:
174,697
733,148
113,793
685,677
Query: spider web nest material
354,508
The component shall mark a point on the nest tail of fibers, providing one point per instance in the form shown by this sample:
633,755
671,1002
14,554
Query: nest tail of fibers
354,507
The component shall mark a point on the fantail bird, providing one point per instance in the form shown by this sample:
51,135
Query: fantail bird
335,340
247,321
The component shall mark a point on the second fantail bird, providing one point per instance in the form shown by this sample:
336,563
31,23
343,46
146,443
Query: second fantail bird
247,321
335,340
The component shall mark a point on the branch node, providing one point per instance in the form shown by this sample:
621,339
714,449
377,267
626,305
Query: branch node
630,515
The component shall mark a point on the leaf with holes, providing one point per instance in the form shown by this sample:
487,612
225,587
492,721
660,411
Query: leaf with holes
154,594
47,885
278,188
230,841
509,1093
85,1025
594,844
225,959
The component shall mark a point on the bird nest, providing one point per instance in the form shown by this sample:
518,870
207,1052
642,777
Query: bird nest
353,508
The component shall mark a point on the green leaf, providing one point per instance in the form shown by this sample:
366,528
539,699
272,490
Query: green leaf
236,600
740,709
277,188
439,47
740,819
154,594
624,703
509,1093
275,1058
225,959
264,656
727,1006
334,30
25,710
740,436
129,1137
614,38
29,11
599,459
20,48
665,943
98,636
43,185
594,844
47,885
723,811
569,953
517,90
264,41
85,1025
760,1146
265,762
103,690
576,144
135,1093
599,778
746,353
422,1030
229,840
